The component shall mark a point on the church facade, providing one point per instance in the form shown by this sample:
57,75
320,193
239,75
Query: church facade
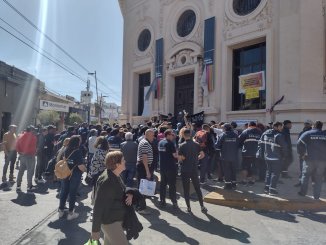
258,60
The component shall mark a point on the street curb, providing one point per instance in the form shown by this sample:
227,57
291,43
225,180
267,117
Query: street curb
264,202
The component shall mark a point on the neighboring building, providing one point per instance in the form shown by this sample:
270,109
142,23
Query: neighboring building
280,43
110,111
53,102
19,92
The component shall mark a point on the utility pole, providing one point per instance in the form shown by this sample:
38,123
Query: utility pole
89,104
100,112
94,74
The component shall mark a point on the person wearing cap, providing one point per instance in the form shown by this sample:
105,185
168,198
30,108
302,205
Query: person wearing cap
306,127
272,148
189,155
9,140
312,146
287,125
228,146
26,147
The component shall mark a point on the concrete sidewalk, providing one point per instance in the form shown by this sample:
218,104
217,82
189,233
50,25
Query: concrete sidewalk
253,197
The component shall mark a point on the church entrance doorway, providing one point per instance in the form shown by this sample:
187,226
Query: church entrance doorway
184,94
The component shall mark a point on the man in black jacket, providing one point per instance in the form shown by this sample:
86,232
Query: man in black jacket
248,141
228,145
189,154
272,148
307,126
287,125
312,145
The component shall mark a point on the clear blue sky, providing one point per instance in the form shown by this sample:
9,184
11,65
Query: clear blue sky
91,31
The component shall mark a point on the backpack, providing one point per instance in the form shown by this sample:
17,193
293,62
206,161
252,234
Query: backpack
201,138
62,170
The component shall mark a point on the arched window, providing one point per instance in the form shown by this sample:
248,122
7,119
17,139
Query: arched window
144,40
244,7
186,23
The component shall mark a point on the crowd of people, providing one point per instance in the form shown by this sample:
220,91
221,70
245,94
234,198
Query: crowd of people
114,156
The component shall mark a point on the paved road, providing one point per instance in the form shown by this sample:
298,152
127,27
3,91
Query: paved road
32,219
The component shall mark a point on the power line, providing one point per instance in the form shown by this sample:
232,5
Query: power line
13,35
53,42
44,51
45,35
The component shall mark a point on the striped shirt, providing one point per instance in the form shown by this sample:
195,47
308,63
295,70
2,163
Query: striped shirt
145,147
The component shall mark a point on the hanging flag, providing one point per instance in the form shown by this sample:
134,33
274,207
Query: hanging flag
203,82
209,50
152,88
159,69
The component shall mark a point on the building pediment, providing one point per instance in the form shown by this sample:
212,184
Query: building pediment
183,54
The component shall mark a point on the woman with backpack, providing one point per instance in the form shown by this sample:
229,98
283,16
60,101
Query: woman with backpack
70,184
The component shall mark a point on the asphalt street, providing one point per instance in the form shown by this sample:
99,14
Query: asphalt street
32,219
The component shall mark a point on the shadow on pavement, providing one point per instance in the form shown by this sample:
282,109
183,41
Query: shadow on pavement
317,217
74,234
165,228
279,216
213,226
25,199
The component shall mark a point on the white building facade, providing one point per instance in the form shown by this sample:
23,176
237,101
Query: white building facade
263,52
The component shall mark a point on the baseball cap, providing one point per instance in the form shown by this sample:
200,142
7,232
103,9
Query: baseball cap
12,126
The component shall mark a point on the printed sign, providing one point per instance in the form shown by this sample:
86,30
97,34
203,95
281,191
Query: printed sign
252,93
53,106
252,81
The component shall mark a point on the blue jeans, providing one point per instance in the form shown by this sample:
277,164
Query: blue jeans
314,169
273,171
129,174
69,186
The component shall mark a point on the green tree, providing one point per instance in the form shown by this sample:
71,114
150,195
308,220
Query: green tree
48,117
74,118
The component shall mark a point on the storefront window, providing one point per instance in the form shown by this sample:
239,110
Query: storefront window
250,92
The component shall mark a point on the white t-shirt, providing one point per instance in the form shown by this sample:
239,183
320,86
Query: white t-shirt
218,132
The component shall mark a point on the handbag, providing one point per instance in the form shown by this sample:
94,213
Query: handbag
92,242
147,187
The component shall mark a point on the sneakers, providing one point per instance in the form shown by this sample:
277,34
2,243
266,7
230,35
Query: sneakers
60,213
144,212
202,182
175,205
203,209
40,181
273,192
18,189
301,194
162,204
72,215
31,188
266,189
